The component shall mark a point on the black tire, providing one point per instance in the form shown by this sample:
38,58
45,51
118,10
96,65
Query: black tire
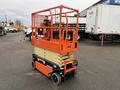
2,33
79,38
5,33
15,31
73,73
56,78
100,37
33,65
30,36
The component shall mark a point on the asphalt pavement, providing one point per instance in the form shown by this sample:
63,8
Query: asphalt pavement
98,69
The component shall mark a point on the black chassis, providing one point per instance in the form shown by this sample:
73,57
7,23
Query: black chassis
55,67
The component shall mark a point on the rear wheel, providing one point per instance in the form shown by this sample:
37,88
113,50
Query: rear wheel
5,33
78,38
30,36
15,31
2,33
33,65
56,78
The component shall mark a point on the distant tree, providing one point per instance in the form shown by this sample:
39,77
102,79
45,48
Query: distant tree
18,22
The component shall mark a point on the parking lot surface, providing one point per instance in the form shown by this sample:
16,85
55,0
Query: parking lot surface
98,69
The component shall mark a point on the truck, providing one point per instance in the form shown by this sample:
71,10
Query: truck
103,21
28,33
2,31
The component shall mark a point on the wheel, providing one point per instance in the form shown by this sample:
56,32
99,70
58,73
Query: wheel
78,38
56,78
100,37
30,36
2,33
33,65
15,31
73,73
5,33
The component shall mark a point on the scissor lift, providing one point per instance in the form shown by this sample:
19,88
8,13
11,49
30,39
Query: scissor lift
54,42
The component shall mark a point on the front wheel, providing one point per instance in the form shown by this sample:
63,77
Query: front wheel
56,78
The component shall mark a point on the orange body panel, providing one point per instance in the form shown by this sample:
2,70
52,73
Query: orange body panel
55,46
65,64
42,68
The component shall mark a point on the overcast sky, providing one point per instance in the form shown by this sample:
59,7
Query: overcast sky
22,9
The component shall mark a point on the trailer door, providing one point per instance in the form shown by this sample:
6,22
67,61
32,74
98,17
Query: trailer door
91,19
110,20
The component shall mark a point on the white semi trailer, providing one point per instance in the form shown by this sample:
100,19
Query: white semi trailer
103,22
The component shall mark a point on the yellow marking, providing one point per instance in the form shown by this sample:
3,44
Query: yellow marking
51,56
